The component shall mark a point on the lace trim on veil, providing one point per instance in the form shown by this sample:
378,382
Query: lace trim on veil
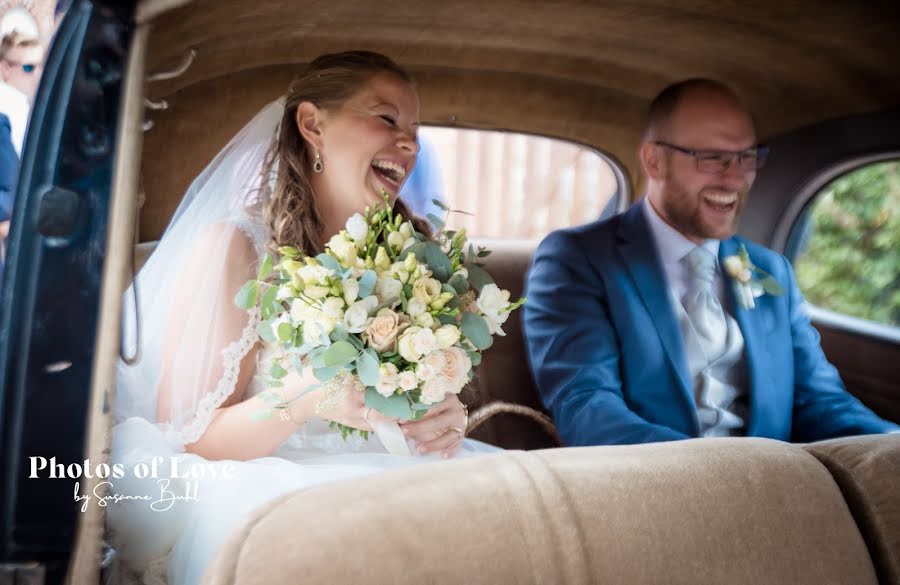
232,356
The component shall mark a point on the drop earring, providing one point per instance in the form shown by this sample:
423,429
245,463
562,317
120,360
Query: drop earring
317,164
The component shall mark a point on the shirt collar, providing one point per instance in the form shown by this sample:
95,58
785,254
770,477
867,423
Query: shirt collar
670,243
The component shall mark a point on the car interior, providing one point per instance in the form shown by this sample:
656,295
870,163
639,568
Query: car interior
821,79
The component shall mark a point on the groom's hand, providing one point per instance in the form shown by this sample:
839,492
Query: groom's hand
441,429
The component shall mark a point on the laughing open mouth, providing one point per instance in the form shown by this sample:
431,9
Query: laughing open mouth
392,172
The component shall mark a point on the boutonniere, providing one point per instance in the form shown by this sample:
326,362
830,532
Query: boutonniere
749,281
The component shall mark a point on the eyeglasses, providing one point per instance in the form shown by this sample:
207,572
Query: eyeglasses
716,162
28,68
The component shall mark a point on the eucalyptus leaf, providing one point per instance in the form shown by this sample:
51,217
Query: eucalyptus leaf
396,405
246,297
417,249
329,262
367,369
264,330
340,354
437,222
459,283
285,332
478,277
317,357
421,407
441,204
474,357
265,268
325,374
447,319
340,334
267,303
476,330
437,261
277,371
367,283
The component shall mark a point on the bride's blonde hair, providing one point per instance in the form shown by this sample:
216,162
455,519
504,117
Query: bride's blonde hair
327,82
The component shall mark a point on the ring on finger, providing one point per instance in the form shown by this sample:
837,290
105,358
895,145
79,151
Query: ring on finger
458,430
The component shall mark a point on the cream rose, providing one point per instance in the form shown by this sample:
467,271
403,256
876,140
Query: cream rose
435,389
447,335
425,320
406,345
382,331
430,366
426,290
457,365
408,381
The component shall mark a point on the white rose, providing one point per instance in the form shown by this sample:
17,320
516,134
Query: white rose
424,341
356,319
351,290
389,380
357,228
406,345
425,320
426,290
387,288
447,335
408,381
334,308
492,300
415,307
343,249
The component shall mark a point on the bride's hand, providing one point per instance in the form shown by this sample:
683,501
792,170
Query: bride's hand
441,429
348,409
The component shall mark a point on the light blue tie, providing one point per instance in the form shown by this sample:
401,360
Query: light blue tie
701,304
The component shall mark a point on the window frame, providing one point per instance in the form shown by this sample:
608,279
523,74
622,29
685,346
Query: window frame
783,238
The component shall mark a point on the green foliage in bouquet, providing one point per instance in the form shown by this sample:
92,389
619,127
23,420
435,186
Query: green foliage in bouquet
398,315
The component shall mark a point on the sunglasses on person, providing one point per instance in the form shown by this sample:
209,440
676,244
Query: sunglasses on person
716,162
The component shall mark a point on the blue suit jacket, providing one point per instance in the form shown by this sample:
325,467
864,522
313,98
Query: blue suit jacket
608,358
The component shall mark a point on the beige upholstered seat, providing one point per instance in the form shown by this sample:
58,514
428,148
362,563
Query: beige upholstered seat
736,511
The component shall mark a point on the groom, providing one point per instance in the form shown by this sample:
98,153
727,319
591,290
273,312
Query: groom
635,332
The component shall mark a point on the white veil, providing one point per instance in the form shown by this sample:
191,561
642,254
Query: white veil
193,338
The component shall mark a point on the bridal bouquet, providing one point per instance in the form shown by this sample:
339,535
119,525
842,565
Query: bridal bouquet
384,309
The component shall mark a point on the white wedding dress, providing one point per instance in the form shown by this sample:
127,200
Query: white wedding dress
189,506
176,545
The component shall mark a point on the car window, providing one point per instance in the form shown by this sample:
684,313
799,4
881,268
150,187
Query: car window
845,244
511,185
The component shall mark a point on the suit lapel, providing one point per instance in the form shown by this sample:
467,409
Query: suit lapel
750,329
641,260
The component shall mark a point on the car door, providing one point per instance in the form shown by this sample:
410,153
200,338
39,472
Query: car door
51,309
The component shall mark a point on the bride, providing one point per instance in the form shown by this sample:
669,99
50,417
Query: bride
188,409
